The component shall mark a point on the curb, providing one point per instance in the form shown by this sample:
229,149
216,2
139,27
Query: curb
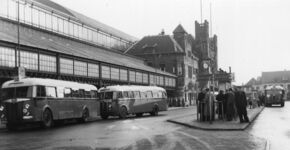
254,119
216,129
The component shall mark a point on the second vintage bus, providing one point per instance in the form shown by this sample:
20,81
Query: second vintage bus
121,100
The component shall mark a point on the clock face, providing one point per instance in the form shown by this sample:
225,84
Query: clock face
205,65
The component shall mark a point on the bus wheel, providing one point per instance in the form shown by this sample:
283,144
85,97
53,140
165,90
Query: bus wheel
282,104
139,114
47,120
154,111
86,115
123,112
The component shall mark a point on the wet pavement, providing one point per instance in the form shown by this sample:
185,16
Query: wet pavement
148,133
274,125
217,124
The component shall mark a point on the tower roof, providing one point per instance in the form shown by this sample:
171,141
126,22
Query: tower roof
179,29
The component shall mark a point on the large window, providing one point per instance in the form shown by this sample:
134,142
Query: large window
145,78
66,66
139,77
93,70
161,80
132,76
106,72
32,14
47,63
12,9
151,77
3,8
123,75
80,68
7,57
114,73
29,60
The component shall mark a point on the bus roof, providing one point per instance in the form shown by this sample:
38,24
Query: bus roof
131,88
47,82
274,87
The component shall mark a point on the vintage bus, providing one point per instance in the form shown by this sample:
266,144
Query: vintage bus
129,99
275,94
46,100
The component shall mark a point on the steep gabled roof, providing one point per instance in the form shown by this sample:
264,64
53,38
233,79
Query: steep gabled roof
179,29
161,44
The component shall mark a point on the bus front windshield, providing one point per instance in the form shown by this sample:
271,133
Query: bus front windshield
16,92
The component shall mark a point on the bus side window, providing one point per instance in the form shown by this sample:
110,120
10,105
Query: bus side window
93,94
81,93
40,91
67,92
155,94
50,92
60,93
75,93
143,95
119,95
137,94
131,94
88,94
125,94
149,94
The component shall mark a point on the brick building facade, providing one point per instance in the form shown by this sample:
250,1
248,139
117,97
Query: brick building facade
172,54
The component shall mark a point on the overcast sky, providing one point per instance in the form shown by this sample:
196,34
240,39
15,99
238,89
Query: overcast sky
253,35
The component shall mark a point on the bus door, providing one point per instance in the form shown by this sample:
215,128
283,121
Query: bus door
138,102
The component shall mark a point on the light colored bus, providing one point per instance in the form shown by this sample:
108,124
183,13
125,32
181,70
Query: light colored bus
45,101
129,99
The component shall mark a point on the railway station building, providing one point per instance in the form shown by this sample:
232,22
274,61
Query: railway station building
51,41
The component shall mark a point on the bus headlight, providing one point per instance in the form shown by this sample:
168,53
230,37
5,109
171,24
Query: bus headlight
26,110
27,106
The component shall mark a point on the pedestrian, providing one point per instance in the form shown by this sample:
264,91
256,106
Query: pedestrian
230,105
225,102
220,98
200,101
209,105
241,104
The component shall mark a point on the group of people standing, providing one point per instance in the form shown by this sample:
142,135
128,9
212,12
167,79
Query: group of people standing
230,103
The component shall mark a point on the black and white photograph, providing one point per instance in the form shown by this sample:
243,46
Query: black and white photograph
144,75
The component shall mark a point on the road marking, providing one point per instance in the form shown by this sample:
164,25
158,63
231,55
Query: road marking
197,139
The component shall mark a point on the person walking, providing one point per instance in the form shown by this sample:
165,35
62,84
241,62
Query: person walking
241,104
230,105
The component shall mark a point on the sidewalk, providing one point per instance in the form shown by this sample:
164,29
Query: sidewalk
192,122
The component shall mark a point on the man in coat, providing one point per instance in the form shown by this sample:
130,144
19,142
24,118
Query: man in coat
221,99
230,105
241,104
200,102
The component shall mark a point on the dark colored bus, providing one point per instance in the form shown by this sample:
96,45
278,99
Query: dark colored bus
45,101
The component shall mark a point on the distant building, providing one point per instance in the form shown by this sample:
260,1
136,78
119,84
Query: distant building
269,78
172,54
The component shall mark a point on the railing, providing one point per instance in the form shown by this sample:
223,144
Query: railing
216,108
